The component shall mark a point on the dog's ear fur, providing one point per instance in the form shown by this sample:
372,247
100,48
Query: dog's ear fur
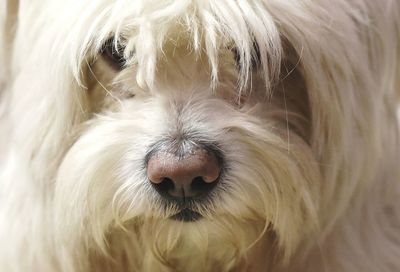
45,89
8,21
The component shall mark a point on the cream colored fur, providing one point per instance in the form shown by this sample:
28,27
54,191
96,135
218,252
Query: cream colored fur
310,136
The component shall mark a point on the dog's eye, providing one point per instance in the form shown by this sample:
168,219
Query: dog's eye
255,57
113,53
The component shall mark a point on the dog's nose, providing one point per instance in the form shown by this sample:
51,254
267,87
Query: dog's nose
187,176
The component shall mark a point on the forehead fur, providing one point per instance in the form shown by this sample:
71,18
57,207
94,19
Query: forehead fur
147,25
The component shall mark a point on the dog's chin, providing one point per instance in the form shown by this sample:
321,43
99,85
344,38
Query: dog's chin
187,215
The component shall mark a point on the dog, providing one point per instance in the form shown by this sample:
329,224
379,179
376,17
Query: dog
200,135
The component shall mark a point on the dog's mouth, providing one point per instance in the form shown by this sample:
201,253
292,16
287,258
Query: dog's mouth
187,215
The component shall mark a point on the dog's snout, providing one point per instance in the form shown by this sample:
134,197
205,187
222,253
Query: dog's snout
191,175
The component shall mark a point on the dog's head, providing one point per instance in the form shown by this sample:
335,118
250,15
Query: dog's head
173,128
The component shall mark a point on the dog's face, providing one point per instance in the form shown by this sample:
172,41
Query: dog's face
191,128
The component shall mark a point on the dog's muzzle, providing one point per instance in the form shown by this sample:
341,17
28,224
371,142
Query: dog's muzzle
185,176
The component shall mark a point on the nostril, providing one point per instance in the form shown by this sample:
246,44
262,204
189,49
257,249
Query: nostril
200,186
164,186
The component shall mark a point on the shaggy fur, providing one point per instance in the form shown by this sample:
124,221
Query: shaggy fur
300,97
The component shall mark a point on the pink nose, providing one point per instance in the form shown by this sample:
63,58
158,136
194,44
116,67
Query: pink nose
189,176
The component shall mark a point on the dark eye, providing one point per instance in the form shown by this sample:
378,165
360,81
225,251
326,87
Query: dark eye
255,57
113,53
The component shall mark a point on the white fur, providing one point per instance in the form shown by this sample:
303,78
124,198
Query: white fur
310,138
